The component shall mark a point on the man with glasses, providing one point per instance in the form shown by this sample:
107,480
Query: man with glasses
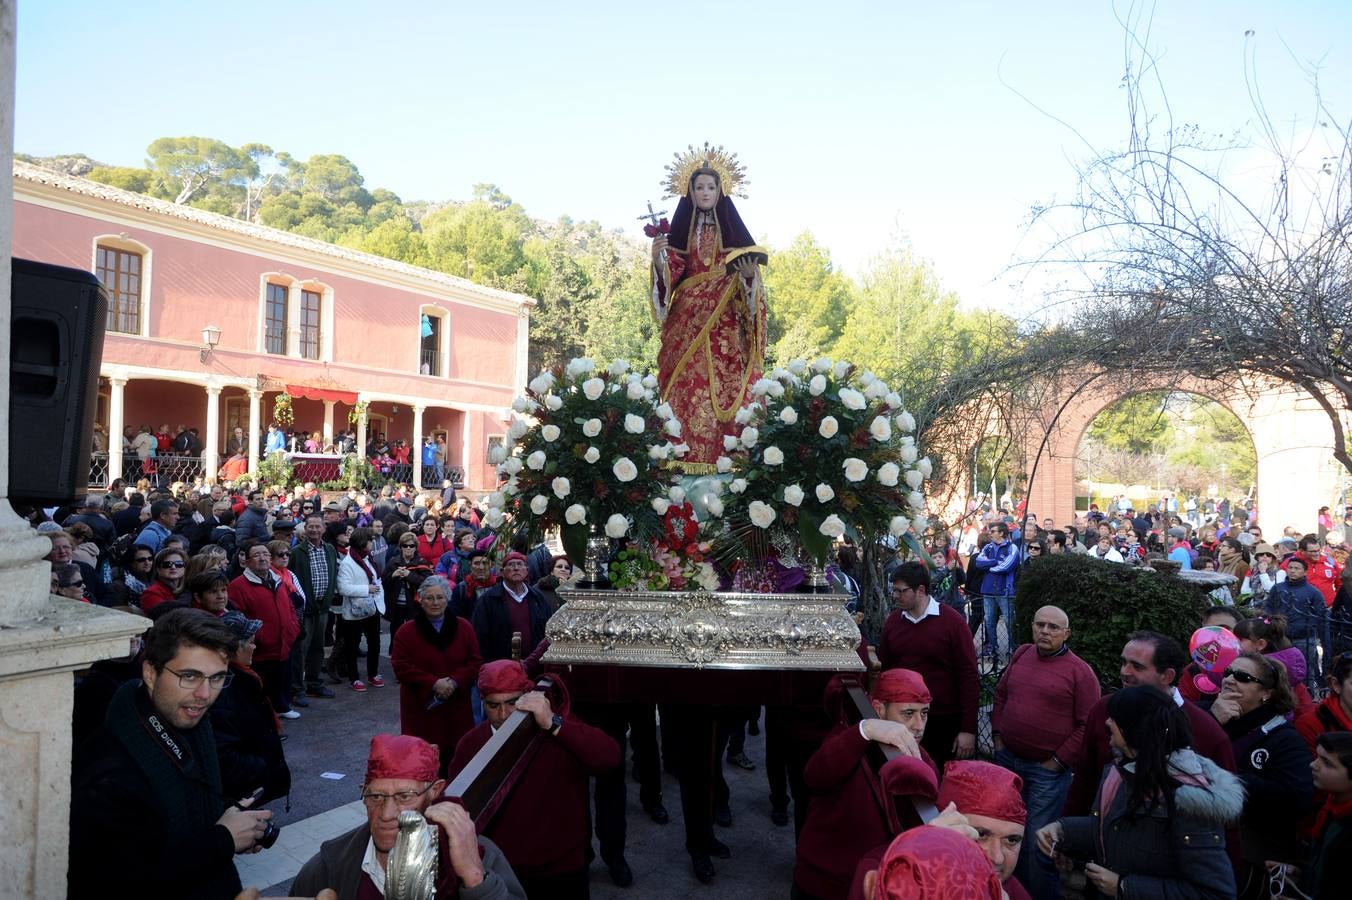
147,815
260,594
1037,724
314,562
510,606
401,774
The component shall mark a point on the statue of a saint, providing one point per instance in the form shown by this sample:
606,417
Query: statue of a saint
709,297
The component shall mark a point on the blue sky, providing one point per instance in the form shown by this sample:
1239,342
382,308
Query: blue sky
862,122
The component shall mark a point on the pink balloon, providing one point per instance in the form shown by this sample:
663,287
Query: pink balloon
1213,648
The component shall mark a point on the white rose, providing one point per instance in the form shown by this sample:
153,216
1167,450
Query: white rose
852,399
920,523
724,464
575,514
497,454
664,411
650,381
511,465
867,378
737,485
542,382
554,402
624,469
774,456
619,367
914,479
915,500
658,452
592,455
906,421
908,453
521,404
762,514
635,390
707,577
538,504
761,387
677,494
817,385
908,440
579,366
749,437
875,390
517,430
536,460
743,415
661,505
855,469
561,487
880,428
781,374
496,500
888,474
893,400
925,466
617,526
832,527
828,427
512,487
842,369
824,493
591,427
822,364
776,389
633,424
898,526
788,415
797,366
672,427
550,433
793,495
593,388
494,518
714,506
729,442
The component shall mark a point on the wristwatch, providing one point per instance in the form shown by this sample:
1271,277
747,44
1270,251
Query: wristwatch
558,723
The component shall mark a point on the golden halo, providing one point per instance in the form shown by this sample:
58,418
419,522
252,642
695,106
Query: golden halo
731,173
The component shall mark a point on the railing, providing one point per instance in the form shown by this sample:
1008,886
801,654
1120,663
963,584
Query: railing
98,470
404,473
160,470
428,361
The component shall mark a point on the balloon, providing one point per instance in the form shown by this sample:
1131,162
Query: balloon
1213,648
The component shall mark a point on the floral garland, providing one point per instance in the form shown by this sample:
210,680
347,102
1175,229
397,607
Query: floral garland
282,412
592,456
823,451
354,415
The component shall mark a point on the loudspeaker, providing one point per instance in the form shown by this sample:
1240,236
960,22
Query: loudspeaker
57,319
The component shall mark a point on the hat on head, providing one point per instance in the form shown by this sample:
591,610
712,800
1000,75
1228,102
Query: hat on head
49,527
514,555
1261,549
1333,538
1287,542
983,789
503,676
1179,532
283,525
900,686
243,627
932,863
332,506
402,756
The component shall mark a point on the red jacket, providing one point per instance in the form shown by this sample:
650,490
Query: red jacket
155,593
543,828
273,607
432,551
421,656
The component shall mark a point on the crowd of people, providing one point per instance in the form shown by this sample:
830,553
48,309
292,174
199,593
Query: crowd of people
264,602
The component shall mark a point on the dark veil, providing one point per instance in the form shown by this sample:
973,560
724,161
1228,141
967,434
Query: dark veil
731,229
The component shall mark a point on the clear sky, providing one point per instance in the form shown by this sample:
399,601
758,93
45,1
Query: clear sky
862,122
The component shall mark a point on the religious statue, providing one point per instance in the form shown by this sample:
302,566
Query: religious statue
709,297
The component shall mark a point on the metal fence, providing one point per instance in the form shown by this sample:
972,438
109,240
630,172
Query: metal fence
161,471
98,470
430,479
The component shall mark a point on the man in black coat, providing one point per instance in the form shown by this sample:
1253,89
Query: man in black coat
510,605
128,521
248,744
91,514
148,817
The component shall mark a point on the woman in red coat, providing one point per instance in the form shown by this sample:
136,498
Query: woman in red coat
431,544
436,659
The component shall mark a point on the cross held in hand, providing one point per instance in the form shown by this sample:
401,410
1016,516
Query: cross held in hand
652,216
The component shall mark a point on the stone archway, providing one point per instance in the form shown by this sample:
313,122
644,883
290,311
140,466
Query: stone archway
1291,434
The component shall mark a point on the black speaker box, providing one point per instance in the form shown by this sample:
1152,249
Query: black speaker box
57,319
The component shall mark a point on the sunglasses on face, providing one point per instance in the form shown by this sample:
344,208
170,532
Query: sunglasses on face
1243,677
173,564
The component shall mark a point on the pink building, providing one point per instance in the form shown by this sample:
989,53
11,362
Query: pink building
331,326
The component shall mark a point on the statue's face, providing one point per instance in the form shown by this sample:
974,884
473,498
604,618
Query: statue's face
704,192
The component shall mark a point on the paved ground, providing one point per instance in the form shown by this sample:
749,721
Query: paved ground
333,736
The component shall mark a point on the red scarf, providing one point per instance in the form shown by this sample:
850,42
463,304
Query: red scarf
473,587
360,558
1331,810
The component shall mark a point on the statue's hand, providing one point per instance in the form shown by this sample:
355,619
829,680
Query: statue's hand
659,245
746,267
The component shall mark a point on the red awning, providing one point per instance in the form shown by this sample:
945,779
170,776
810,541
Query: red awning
314,393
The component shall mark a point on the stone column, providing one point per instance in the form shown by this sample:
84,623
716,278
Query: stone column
328,422
255,427
361,433
416,445
116,422
42,638
211,450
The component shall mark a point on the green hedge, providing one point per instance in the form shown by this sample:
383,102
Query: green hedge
1106,602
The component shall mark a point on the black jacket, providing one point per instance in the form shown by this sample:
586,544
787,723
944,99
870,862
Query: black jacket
247,742
493,624
128,520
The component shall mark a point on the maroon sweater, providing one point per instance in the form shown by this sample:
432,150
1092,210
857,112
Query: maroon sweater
1042,703
542,828
1207,739
939,648
844,817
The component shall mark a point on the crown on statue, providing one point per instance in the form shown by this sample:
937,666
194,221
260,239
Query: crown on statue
731,173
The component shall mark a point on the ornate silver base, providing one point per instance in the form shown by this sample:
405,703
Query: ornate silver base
594,573
699,629
815,581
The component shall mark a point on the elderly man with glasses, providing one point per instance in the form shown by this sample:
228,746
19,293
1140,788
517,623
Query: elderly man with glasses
1041,705
401,775
260,594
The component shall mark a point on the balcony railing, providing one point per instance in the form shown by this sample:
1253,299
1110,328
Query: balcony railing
428,362
98,470
404,473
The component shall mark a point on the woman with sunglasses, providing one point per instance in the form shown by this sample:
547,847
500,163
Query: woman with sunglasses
1271,759
405,568
168,574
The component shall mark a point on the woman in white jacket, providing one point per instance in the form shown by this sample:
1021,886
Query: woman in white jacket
1105,550
363,601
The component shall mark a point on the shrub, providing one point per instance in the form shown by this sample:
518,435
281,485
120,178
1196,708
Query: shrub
1106,602
275,470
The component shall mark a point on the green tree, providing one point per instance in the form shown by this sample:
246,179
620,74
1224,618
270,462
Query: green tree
482,240
194,168
808,301
141,181
1138,424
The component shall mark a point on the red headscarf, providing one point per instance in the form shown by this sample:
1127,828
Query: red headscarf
402,756
983,789
515,554
503,676
930,863
900,686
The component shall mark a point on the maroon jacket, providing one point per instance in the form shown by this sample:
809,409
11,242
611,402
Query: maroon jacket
280,625
845,817
421,656
543,827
